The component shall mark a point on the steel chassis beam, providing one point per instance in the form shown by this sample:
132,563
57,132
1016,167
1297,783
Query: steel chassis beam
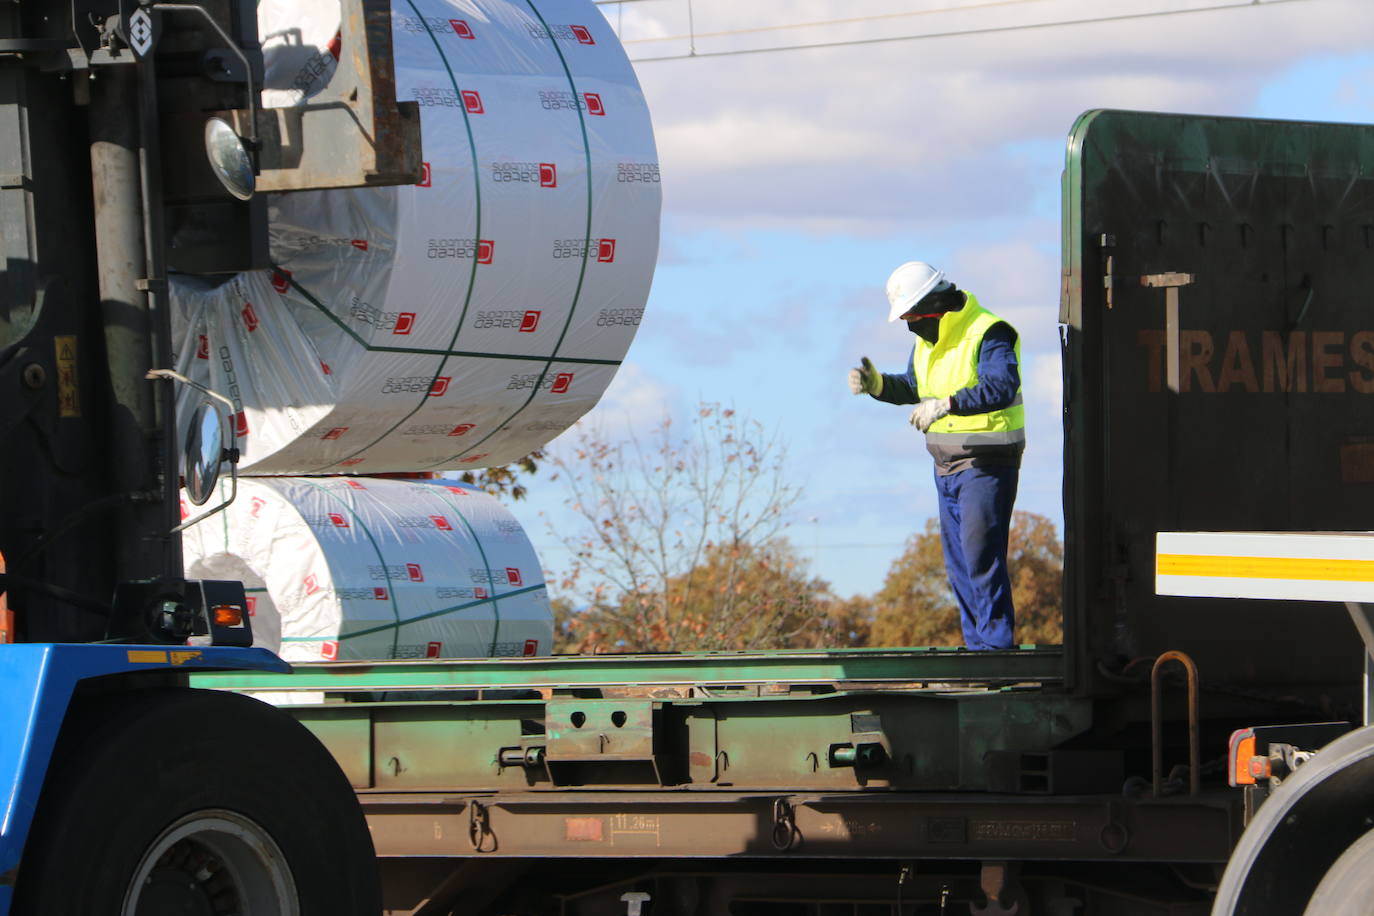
853,826
913,667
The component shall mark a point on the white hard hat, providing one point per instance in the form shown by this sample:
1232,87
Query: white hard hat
909,284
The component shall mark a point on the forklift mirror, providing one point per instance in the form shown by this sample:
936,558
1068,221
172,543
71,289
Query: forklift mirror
204,452
229,160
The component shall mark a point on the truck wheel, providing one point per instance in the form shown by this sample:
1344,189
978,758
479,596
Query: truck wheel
1348,885
180,801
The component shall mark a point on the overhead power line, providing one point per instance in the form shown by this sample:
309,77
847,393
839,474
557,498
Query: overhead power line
988,30
823,22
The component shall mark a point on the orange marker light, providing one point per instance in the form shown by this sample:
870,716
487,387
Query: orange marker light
226,615
1241,751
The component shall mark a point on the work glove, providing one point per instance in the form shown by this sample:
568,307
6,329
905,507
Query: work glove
928,411
866,380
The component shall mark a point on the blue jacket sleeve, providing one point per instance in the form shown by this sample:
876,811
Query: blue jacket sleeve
900,388
999,375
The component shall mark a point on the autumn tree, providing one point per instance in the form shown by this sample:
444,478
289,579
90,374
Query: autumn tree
744,596
916,607
679,542
507,479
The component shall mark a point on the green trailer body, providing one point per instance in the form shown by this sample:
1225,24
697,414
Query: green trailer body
930,780
1219,367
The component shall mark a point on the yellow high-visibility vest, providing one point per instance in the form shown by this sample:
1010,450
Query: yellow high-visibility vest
951,364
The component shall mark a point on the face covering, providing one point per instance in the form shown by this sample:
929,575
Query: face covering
927,327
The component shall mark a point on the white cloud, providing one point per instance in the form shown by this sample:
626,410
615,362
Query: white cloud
914,132
634,403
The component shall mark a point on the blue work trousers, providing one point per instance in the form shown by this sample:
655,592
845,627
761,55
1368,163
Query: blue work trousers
975,521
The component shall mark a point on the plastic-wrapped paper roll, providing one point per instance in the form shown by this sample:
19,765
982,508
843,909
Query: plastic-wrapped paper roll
466,321
360,568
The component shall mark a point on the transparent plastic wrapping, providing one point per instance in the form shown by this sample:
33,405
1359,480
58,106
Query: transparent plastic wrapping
466,321
361,568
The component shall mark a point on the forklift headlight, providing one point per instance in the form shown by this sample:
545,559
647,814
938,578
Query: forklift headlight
229,158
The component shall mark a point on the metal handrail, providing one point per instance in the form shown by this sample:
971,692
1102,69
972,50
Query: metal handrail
1157,724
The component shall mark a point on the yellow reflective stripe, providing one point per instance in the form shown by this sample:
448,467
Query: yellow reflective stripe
991,437
1309,569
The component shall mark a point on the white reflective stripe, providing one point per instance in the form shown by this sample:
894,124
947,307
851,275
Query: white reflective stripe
964,440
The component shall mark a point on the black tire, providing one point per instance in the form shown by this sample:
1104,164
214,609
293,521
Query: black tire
1348,886
134,771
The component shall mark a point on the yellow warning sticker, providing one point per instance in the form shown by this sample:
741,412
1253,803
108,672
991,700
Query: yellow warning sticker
159,657
68,392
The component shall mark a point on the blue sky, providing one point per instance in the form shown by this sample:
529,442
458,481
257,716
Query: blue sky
794,182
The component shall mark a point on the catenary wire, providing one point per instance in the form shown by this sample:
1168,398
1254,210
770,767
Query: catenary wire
959,32
847,21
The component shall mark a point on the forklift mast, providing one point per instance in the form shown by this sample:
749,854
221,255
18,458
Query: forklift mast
107,184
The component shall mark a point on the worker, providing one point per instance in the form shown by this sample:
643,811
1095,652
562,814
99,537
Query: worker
965,380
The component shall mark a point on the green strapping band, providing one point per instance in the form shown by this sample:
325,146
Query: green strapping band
477,233
391,591
496,608
427,351
429,616
586,246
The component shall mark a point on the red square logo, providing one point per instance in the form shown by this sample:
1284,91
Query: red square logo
257,505
338,520
513,576
478,457
335,433
461,429
356,484
439,387
479,592
441,523
329,651
531,647
379,594
405,323
530,323
461,28
457,491
426,179
415,572
584,37
250,317
252,602
324,367
548,175
281,280
185,512
594,106
203,347
312,584
350,462
240,424
472,101
561,382
486,250
434,650
605,250
360,244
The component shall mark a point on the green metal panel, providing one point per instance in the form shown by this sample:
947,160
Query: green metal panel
1272,425
703,669
875,740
